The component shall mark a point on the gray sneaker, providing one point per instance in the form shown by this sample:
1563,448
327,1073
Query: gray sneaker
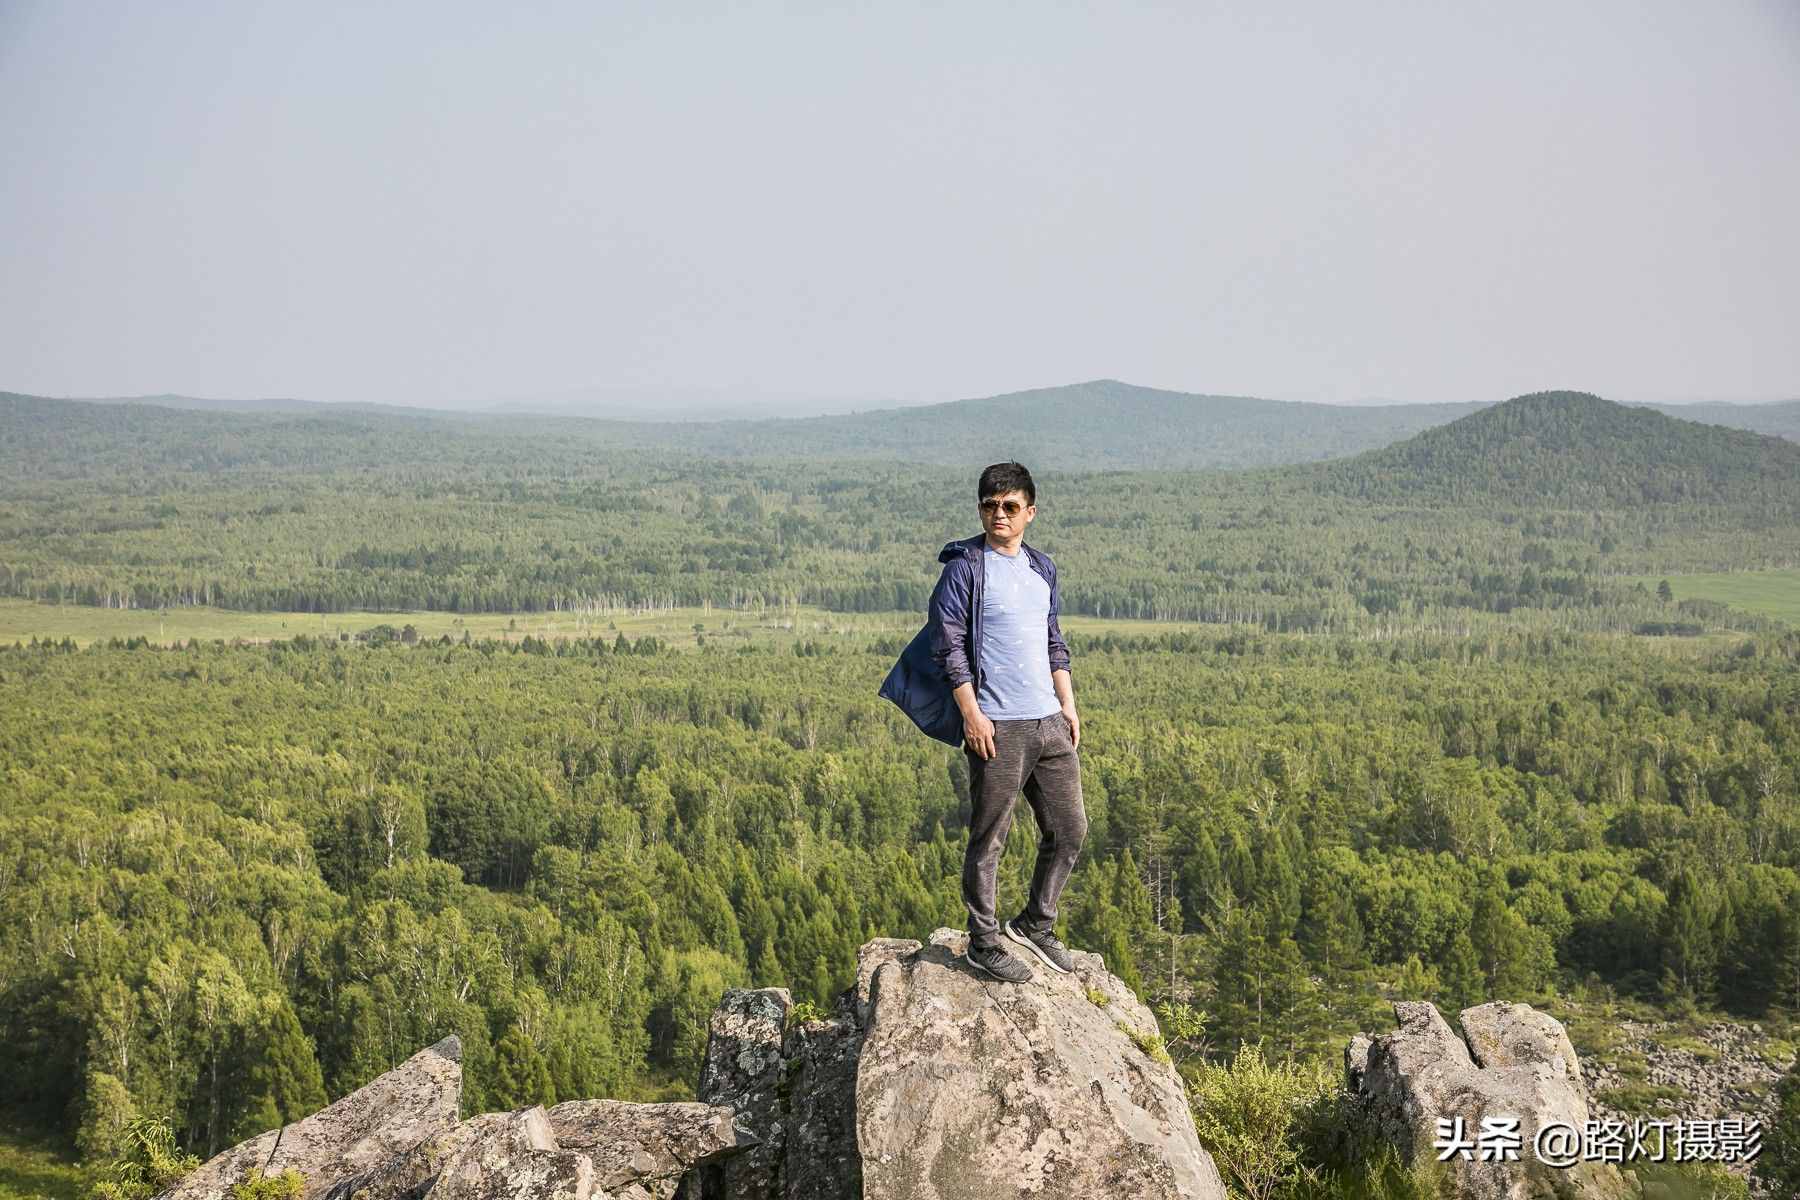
998,963
1044,944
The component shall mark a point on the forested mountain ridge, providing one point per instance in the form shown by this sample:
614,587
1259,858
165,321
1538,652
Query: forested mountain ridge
1573,450
134,506
1099,425
1778,418
1102,424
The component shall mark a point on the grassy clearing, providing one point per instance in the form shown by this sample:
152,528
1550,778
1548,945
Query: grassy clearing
22,620
1642,1099
1771,593
29,1171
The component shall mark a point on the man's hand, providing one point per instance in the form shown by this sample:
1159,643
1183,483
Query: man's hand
1065,696
978,732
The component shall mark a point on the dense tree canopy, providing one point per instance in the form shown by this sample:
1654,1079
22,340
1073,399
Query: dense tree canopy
234,879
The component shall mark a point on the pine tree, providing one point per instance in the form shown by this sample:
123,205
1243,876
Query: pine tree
281,1081
1278,884
1293,1003
1331,932
1691,936
1239,974
1463,984
1511,958
521,1076
107,1112
1778,1166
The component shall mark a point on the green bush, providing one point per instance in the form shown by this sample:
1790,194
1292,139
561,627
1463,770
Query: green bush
257,1186
1246,1115
1778,1166
1384,1175
148,1164
1692,1181
804,1011
1150,1043
1642,1099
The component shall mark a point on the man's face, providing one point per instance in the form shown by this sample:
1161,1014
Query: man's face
1005,516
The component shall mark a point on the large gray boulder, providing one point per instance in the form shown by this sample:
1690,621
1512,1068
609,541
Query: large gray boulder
650,1146
507,1153
793,1085
388,1116
744,1069
967,1086
1509,1061
928,1081
511,1156
399,1138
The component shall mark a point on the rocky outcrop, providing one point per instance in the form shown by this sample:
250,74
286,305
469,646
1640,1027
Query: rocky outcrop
510,1156
931,1081
399,1138
393,1113
1509,1062
927,1081
966,1087
645,1146
743,1070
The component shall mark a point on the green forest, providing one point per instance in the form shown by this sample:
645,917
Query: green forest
135,508
1423,744
239,878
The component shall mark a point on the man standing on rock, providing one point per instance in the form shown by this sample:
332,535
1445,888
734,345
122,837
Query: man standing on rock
990,672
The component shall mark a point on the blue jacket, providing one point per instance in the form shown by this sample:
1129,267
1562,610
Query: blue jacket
946,652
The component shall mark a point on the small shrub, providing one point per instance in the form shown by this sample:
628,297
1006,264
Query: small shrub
1150,1043
1693,1046
1778,1167
1098,998
1185,1029
1384,1175
804,1011
1691,1181
257,1186
148,1164
1641,1099
1246,1114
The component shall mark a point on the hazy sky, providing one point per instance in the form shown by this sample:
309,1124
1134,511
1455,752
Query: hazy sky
456,202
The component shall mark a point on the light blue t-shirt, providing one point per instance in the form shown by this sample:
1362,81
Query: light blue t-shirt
1015,640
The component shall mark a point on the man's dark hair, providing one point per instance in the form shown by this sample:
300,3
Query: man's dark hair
1005,477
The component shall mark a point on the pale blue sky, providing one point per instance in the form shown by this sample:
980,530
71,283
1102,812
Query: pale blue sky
458,202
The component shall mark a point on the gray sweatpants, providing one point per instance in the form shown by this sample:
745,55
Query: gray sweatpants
1038,757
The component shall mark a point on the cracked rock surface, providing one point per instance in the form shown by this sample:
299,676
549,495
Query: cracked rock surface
969,1087
1508,1062
927,1081
399,1138
384,1118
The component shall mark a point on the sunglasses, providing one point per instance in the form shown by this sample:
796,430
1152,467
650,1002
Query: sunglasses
1011,508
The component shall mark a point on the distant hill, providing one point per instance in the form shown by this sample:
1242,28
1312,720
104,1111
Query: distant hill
665,404
1571,450
269,404
1137,426
1778,418
1102,425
